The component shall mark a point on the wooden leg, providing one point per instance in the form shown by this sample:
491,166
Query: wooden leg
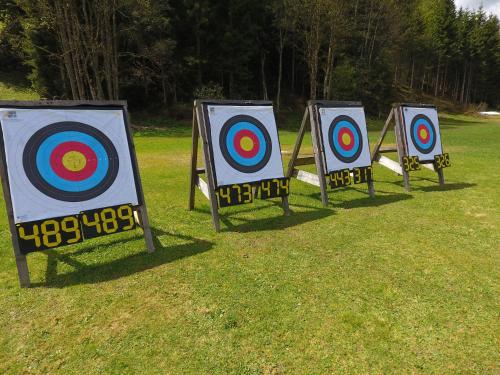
406,181
324,190
318,157
148,236
371,189
441,177
376,149
194,161
286,207
215,213
298,144
398,117
23,271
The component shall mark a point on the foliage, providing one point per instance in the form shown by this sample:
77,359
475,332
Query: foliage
283,49
209,91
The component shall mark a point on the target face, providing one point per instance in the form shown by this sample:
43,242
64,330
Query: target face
244,143
345,138
422,132
61,161
70,161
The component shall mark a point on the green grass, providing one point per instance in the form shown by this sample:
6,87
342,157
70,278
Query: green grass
403,283
14,87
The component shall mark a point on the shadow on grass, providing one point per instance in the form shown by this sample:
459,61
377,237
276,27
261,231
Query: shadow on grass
273,223
435,187
96,273
377,201
450,123
446,187
276,222
367,201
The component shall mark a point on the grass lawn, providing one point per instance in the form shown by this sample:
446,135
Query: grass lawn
403,283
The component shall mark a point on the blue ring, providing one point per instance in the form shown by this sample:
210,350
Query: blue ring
429,128
247,162
336,131
48,174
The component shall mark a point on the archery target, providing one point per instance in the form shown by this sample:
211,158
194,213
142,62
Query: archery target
63,161
422,132
345,138
244,143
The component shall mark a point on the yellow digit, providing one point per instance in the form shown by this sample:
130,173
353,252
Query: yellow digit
47,233
339,176
226,195
406,164
95,223
333,179
70,225
126,213
265,188
285,185
368,173
347,177
247,192
277,182
357,175
31,237
238,188
109,224
447,159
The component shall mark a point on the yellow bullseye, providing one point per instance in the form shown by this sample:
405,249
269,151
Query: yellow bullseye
246,143
74,161
346,139
423,134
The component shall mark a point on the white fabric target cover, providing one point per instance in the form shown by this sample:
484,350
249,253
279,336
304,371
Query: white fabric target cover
352,147
421,146
241,136
29,202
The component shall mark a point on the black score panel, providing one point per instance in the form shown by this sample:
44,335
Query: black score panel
339,179
362,175
234,195
49,233
411,163
275,188
109,220
442,161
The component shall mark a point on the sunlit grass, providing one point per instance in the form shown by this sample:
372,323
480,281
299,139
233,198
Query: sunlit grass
403,283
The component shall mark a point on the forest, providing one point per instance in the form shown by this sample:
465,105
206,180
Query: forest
158,52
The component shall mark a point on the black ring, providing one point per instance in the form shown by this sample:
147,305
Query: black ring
413,123
31,170
225,152
334,123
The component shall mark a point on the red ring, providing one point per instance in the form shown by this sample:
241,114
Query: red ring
237,143
62,149
419,129
347,147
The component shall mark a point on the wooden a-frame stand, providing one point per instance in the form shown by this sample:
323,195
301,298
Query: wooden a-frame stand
401,148
140,212
319,179
200,130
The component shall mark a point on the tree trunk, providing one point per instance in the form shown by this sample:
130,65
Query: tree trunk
436,88
280,69
263,75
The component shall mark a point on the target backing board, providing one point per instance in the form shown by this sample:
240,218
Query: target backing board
244,143
241,152
422,133
345,137
61,161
